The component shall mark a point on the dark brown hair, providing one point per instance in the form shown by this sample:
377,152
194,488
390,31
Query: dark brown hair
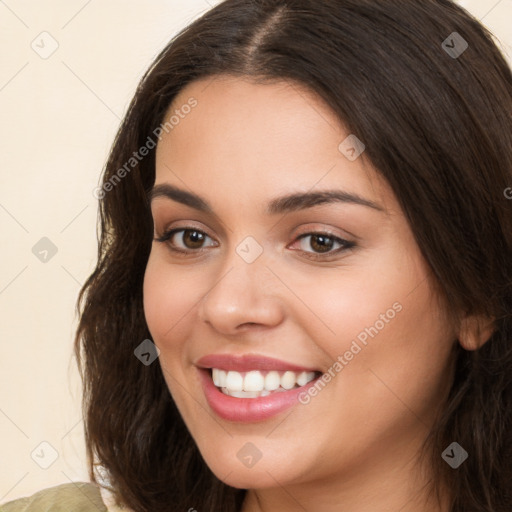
439,130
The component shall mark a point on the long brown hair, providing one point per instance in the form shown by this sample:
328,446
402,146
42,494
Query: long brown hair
436,124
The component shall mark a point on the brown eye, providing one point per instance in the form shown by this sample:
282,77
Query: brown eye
321,243
192,239
184,239
316,245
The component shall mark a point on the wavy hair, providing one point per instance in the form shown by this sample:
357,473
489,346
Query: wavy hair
438,128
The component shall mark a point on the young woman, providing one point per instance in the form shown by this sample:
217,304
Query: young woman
303,299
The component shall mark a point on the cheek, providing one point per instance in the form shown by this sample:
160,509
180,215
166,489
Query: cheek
347,302
396,359
169,296
385,322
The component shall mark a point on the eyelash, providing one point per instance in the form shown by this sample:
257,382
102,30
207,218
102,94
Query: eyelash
167,236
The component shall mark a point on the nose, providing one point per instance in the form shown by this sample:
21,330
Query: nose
244,295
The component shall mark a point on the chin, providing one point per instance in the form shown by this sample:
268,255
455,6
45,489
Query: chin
235,467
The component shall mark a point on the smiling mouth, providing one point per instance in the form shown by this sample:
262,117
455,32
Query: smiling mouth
256,383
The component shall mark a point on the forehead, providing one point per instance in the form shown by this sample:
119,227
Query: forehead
262,117
258,138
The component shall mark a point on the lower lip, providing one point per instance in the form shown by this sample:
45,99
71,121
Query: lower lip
248,410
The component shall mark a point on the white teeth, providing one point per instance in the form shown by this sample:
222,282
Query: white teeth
272,381
254,383
222,378
234,381
244,394
305,377
288,380
219,377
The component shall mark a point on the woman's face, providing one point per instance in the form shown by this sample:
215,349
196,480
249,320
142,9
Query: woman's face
277,284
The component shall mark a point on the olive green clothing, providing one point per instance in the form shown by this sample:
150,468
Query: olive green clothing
73,497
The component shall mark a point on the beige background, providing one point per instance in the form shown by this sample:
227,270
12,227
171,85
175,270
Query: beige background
58,118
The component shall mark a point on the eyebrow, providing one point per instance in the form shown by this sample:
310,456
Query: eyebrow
288,203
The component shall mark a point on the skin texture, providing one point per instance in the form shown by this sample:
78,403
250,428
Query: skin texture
356,443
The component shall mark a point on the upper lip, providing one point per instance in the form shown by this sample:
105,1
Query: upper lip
248,362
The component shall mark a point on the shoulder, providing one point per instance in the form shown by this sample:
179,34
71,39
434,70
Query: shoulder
76,497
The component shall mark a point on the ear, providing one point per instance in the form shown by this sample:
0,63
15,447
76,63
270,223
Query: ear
475,331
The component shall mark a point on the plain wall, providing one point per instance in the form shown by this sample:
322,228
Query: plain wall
59,115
